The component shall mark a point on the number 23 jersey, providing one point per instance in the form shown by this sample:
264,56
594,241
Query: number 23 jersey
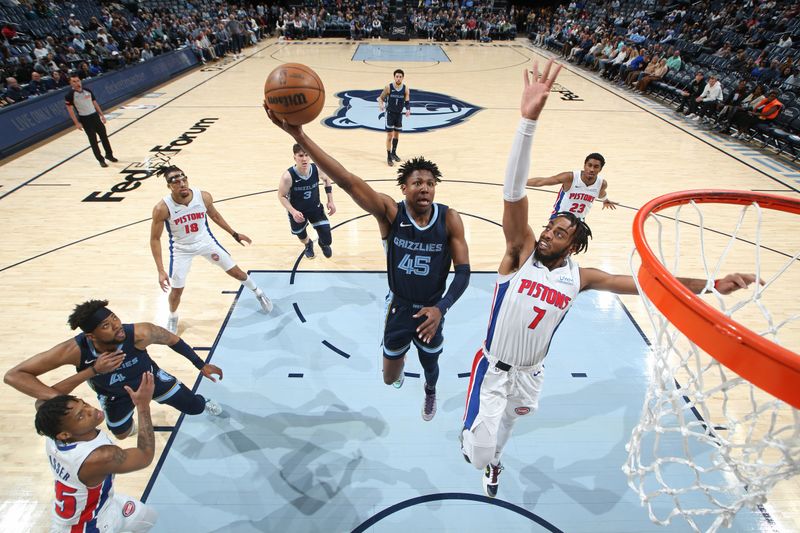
187,225
527,308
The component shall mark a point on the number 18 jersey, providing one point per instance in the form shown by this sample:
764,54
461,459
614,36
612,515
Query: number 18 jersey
418,259
527,308
187,225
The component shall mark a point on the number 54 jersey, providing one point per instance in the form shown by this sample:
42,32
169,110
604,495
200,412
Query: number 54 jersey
527,308
188,224
418,258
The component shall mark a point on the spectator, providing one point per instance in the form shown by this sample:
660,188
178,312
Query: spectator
14,91
692,91
36,85
675,62
765,111
707,102
58,81
731,104
659,72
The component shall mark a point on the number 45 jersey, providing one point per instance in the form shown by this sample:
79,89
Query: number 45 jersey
418,258
188,224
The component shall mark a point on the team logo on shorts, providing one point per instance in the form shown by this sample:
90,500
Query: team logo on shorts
215,257
429,111
522,410
128,509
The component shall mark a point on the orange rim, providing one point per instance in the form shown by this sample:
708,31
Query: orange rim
767,365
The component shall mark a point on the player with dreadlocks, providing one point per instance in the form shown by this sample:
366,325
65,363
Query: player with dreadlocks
536,285
421,239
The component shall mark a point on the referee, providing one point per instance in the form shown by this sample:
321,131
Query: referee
85,112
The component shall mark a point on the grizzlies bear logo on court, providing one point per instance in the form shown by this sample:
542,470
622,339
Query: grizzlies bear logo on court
429,111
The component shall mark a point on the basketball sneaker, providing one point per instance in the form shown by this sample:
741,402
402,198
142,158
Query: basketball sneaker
326,250
491,480
429,405
389,161
399,383
396,157
172,324
309,250
215,409
265,302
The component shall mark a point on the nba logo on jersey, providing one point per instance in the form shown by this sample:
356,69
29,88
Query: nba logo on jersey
128,509
522,410
429,111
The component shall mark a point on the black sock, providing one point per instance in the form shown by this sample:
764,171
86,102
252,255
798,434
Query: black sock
394,146
429,389
388,154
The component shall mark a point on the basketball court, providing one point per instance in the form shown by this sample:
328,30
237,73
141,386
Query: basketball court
311,440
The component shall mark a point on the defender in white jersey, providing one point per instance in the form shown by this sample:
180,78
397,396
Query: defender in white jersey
537,283
185,213
579,188
84,461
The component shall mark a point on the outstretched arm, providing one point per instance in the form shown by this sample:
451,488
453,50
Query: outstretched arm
564,179
25,376
378,205
111,459
146,334
520,239
215,215
593,278
607,204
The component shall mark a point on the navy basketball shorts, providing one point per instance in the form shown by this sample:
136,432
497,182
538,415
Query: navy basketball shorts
314,215
394,121
400,331
119,409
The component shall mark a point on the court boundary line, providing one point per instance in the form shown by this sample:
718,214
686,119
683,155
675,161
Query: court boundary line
550,55
134,121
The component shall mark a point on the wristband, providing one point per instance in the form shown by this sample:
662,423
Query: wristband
96,373
408,105
236,237
182,348
716,284
603,199
329,189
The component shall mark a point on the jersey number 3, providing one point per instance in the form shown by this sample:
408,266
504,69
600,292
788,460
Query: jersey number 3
65,501
538,318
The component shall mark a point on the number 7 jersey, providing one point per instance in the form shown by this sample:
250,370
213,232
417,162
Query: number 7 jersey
527,308
188,224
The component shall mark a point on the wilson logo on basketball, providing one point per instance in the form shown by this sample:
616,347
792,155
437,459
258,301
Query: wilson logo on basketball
429,111
289,100
128,509
522,410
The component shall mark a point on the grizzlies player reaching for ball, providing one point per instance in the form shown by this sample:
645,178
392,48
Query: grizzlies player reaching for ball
298,192
397,96
422,239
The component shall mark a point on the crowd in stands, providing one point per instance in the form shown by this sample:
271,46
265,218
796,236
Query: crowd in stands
730,67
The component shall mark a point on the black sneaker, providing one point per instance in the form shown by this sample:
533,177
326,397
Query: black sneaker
326,250
112,159
309,250
396,157
103,164
491,480
389,161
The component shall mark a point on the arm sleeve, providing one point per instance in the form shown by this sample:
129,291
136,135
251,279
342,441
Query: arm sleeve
456,288
185,350
519,161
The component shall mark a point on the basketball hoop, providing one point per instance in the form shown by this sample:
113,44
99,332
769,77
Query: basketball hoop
720,425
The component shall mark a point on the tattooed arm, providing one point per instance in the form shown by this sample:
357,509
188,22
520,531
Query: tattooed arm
111,459
147,334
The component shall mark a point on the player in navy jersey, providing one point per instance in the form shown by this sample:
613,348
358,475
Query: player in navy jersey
298,192
537,283
397,96
422,239
111,356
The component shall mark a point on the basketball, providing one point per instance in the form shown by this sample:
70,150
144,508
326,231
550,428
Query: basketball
294,93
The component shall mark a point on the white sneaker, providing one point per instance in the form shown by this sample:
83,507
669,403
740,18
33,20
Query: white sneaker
695,118
213,408
172,324
265,302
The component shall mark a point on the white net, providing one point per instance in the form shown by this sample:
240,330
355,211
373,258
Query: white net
709,442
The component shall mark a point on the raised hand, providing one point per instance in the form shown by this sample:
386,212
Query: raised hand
294,131
142,396
537,88
734,282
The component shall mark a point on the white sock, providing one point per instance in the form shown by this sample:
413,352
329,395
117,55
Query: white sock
173,314
250,284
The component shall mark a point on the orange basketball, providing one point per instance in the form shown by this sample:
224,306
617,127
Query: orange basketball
294,93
